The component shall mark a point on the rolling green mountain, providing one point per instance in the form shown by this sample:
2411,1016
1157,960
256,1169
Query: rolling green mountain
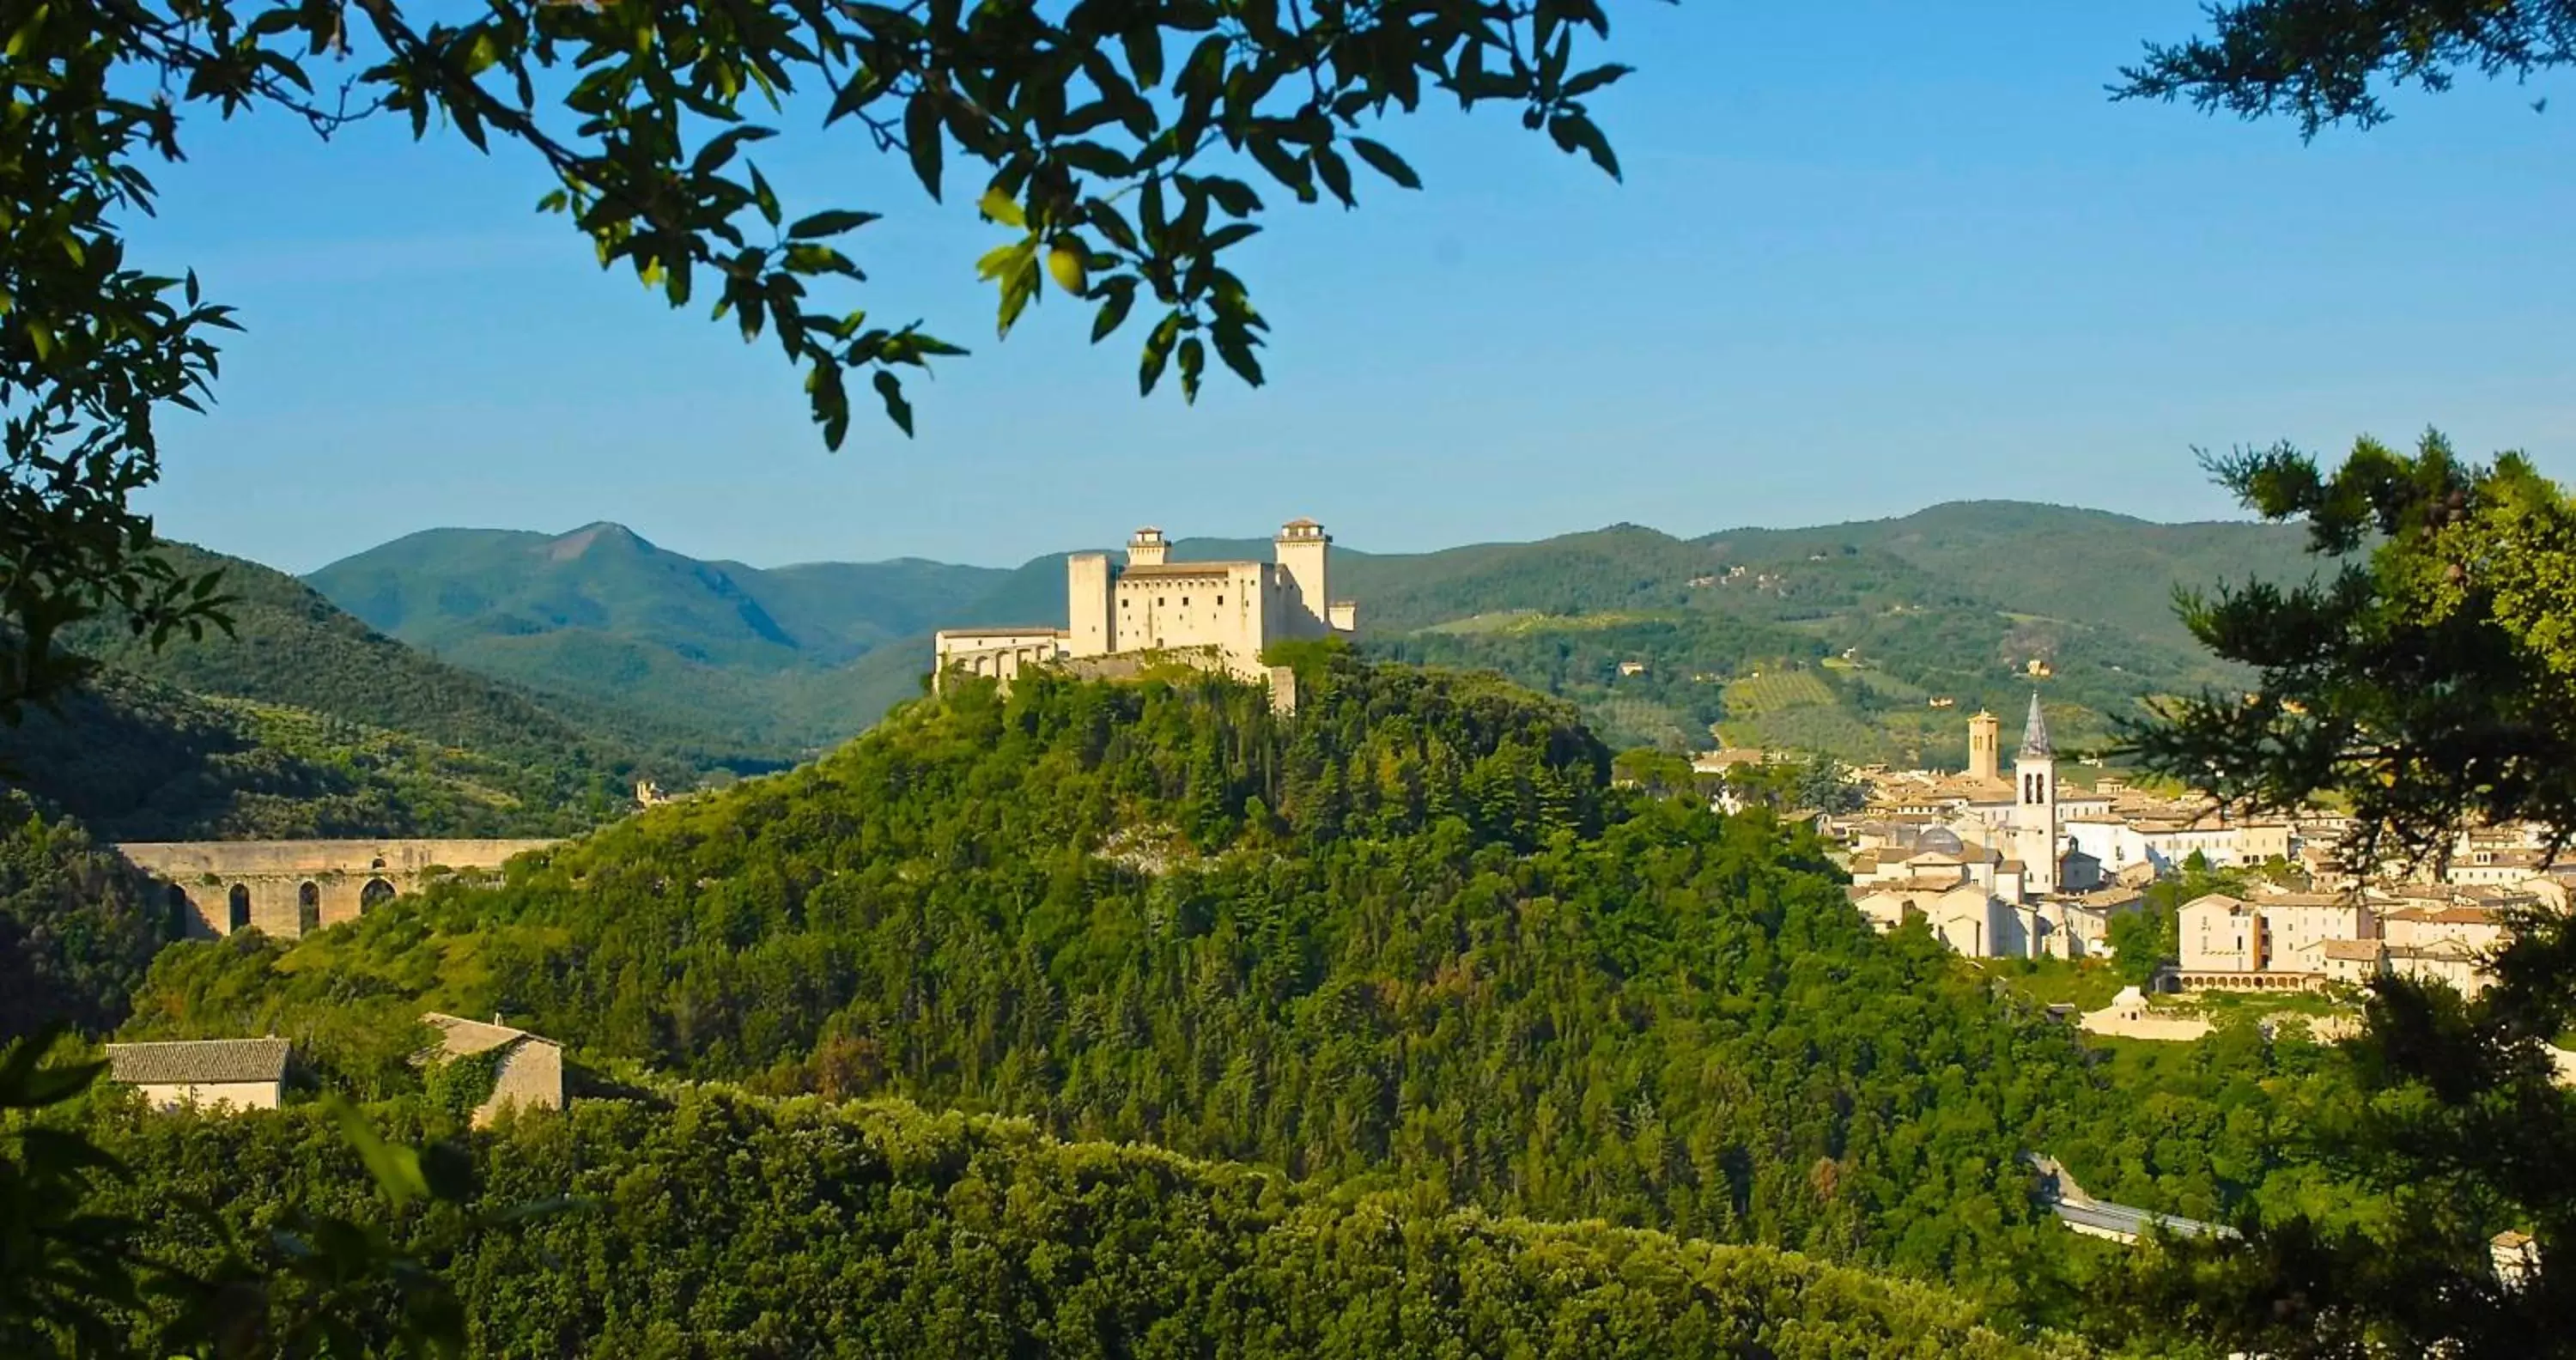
736,659
305,722
1884,620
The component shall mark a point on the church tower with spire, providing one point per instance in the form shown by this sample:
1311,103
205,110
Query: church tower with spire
2034,814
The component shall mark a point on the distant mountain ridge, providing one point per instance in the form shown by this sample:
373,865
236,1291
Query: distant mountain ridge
785,661
303,721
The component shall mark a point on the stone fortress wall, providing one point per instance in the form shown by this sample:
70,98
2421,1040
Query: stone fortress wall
1219,614
285,888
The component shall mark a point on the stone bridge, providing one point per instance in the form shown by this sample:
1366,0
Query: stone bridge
288,888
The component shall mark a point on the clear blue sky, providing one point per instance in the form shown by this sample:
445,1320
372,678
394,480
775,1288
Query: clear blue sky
1868,257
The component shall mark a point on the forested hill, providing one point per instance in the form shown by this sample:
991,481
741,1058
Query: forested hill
1951,603
1410,935
302,721
740,1228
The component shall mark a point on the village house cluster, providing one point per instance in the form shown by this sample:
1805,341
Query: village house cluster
2015,864
219,1076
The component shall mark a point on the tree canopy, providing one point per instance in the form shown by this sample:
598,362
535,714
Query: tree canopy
2426,682
2328,62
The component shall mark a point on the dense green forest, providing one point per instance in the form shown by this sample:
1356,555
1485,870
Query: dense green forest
78,925
1952,602
715,1225
1411,936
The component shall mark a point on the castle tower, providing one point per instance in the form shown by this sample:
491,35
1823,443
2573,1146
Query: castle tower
1091,625
1146,548
1300,548
2034,814
1986,747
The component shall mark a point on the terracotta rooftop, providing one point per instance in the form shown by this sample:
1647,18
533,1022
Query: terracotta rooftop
2305,899
198,1060
1933,886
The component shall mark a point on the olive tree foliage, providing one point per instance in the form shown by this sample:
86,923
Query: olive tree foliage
1121,148
2328,62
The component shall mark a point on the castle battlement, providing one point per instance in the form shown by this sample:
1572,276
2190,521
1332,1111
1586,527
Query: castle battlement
1226,613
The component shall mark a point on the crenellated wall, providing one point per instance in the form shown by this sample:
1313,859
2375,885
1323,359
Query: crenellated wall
283,888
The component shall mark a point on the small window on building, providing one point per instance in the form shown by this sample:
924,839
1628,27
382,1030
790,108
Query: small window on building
1185,602
1220,602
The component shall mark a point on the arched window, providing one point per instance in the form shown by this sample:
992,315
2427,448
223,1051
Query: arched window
237,904
376,892
180,915
308,907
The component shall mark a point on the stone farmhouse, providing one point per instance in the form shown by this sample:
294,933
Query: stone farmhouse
205,1074
1221,615
530,1071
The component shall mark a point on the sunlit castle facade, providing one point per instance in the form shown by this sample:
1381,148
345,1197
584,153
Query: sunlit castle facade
1219,613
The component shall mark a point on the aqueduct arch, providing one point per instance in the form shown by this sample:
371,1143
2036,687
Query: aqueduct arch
289,887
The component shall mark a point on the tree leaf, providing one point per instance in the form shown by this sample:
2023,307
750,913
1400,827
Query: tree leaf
1144,44
1386,163
890,390
1336,174
1588,81
1118,296
395,1167
923,138
1158,351
829,223
1002,208
1574,131
1193,357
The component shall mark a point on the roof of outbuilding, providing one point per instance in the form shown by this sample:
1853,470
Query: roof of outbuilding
177,1062
458,1036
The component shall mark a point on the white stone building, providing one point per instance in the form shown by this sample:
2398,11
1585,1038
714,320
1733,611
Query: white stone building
207,1074
1223,614
2222,935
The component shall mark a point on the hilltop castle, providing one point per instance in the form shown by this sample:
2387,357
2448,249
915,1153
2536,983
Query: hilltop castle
1222,614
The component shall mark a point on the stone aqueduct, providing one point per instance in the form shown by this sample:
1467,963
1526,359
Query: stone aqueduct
286,888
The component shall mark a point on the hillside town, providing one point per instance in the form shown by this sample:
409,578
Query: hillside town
2019,863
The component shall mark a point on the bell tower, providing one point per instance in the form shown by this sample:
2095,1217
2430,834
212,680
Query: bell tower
1985,748
2034,814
